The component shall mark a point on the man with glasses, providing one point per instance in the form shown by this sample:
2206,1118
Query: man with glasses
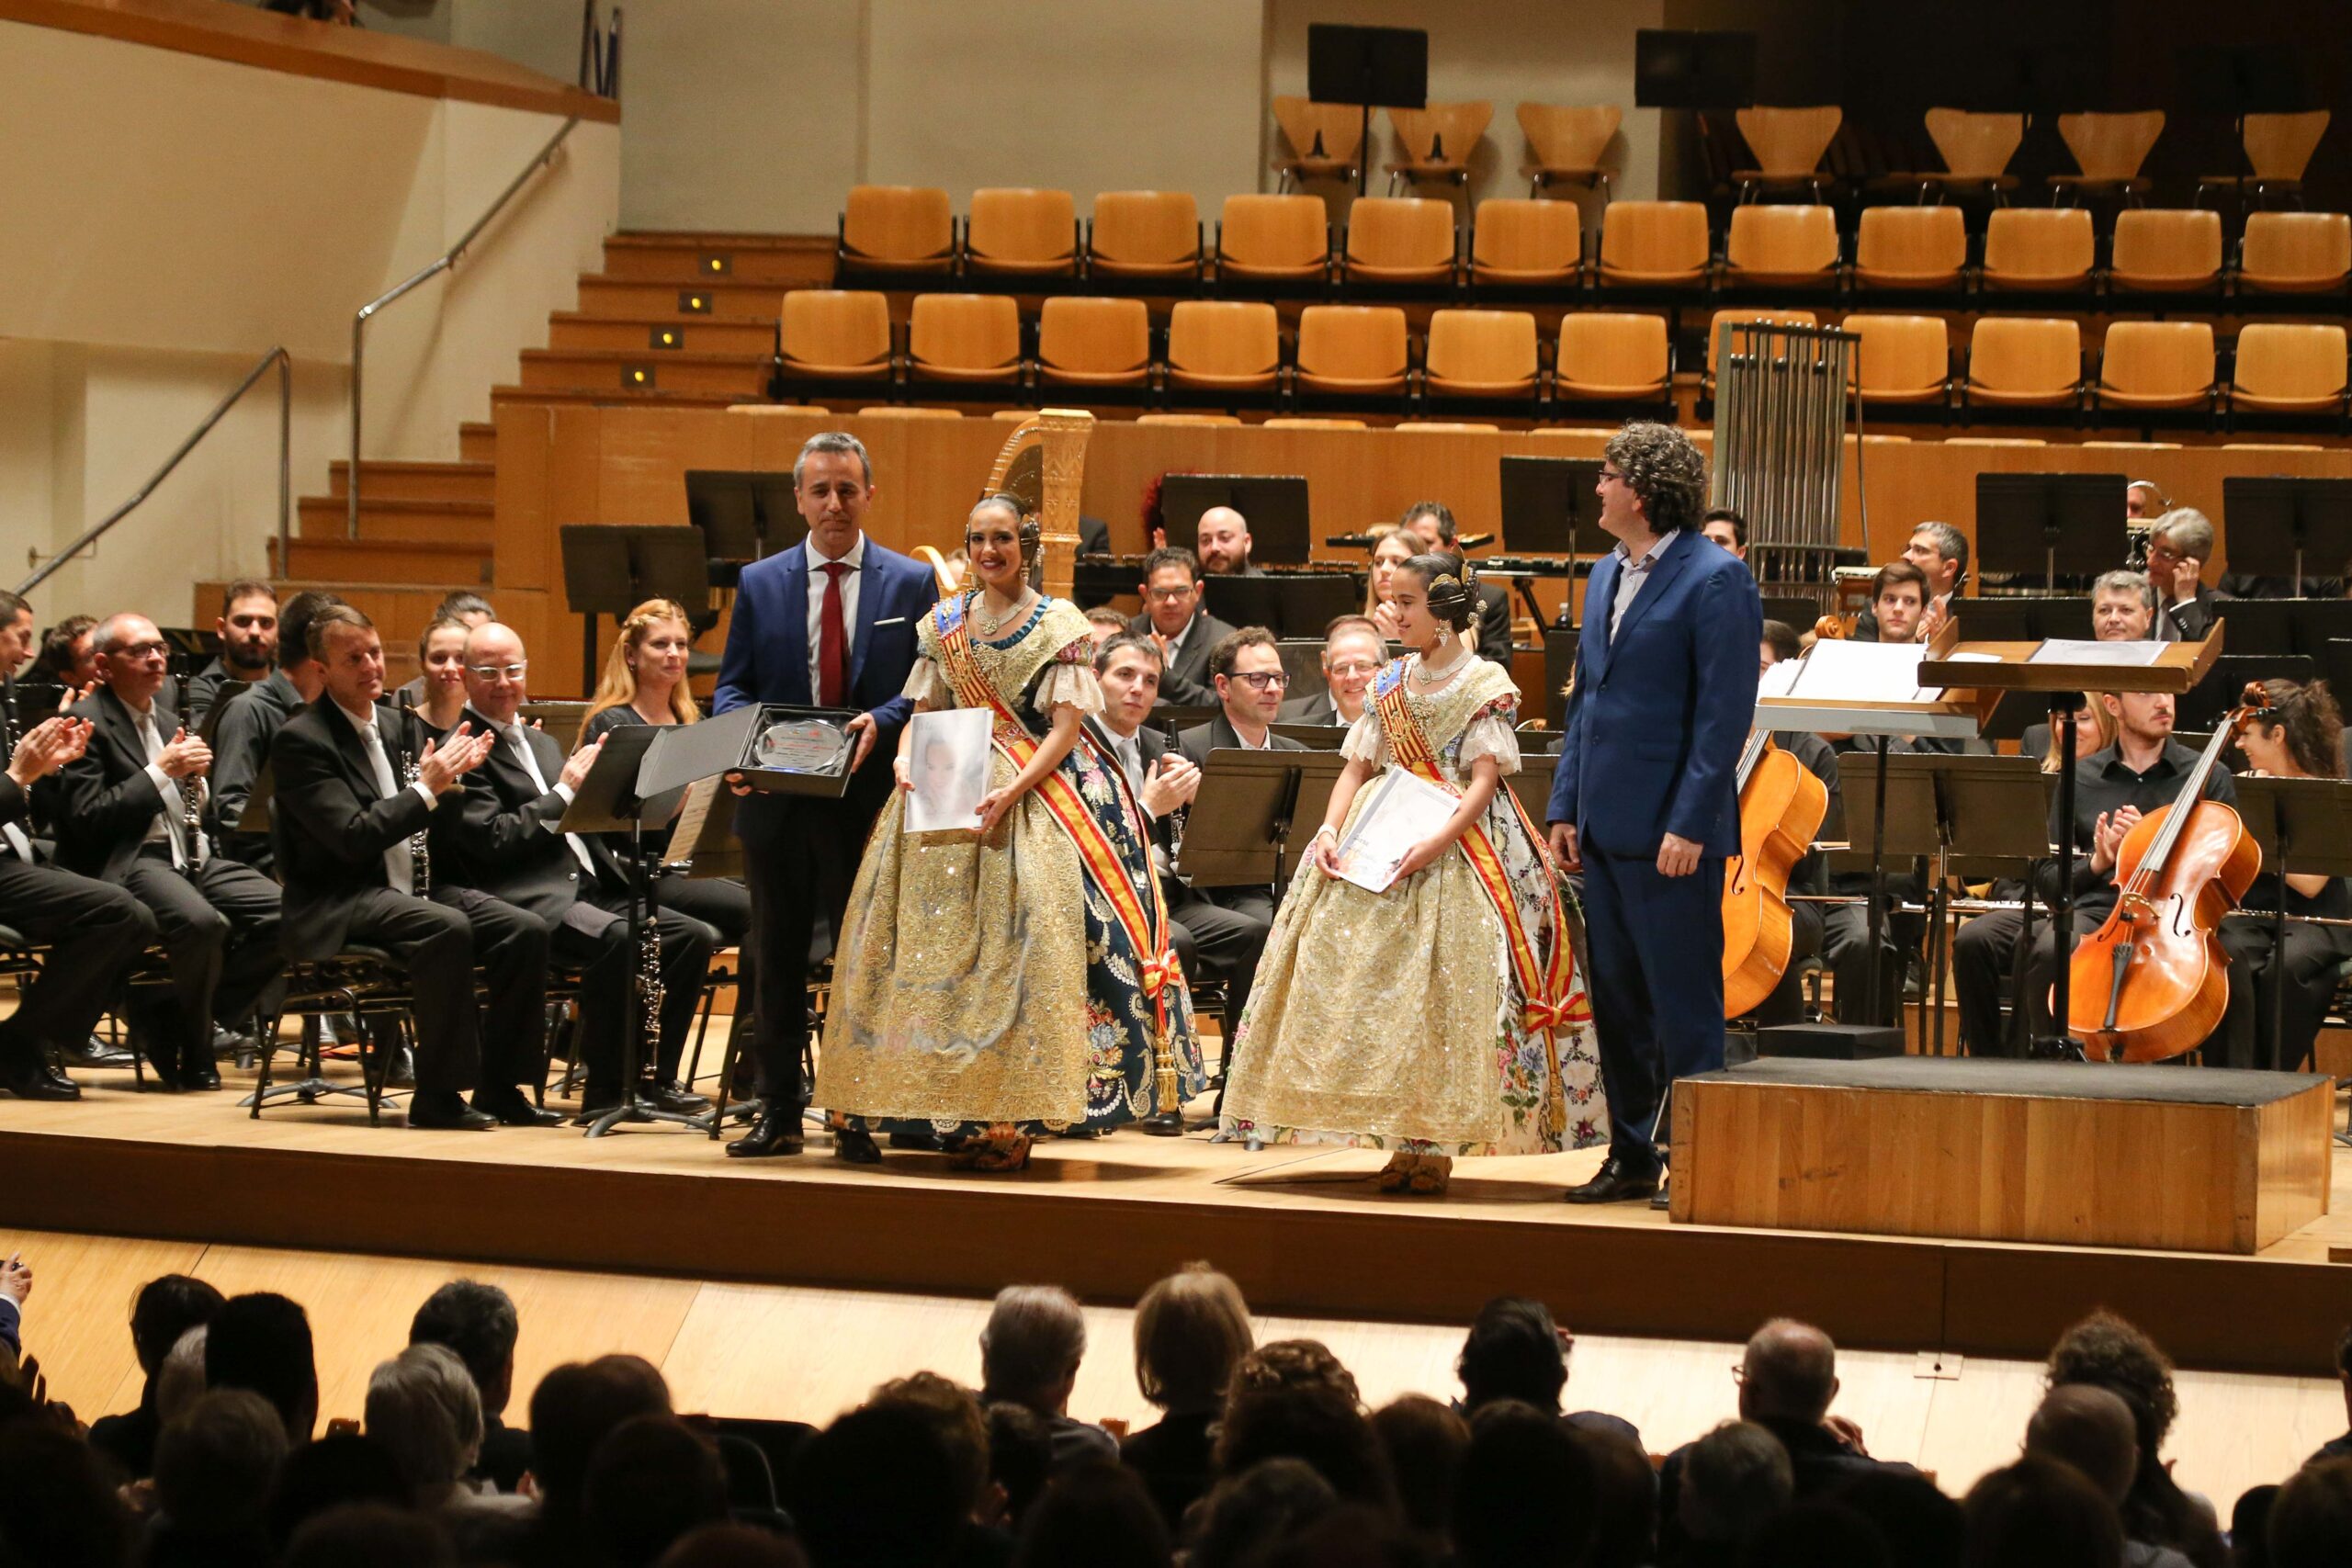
1353,652
2179,544
1174,618
130,811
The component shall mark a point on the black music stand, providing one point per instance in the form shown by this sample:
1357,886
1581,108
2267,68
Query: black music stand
1545,500
1274,505
1314,737
2202,706
2275,520
1559,669
1302,662
2042,525
743,515
2305,826
1372,67
2285,626
1251,805
607,802
611,569
1294,606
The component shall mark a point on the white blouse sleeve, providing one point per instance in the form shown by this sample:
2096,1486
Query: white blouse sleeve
1490,736
1366,741
1068,685
927,684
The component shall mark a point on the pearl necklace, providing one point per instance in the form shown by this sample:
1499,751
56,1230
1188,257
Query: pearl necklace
991,625
1426,676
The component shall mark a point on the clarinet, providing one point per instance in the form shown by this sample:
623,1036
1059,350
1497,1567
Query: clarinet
192,812
420,843
651,992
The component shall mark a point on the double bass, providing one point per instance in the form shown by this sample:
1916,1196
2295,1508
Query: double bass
1780,808
2153,982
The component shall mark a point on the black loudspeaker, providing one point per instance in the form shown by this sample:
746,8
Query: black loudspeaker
1829,1042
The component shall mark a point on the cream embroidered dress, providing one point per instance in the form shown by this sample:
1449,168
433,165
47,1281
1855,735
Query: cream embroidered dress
989,989
1398,1020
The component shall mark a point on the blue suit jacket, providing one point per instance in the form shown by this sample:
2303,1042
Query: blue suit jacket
1661,709
768,657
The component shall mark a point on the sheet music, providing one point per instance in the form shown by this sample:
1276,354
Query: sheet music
2067,651
691,813
1834,670
1406,810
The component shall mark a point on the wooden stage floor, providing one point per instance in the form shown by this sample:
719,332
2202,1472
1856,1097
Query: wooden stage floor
1302,1230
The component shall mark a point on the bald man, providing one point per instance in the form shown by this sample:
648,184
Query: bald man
2092,1429
1224,542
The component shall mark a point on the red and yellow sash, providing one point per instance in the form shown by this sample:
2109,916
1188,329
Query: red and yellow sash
1146,924
1546,982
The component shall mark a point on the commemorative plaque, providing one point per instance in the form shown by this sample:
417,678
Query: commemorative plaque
793,751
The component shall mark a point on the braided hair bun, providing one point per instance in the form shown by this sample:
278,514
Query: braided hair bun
1451,587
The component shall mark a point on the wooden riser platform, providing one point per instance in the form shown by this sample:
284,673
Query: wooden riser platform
1302,1230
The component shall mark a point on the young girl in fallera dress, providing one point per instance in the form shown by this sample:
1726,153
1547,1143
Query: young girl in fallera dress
1478,1042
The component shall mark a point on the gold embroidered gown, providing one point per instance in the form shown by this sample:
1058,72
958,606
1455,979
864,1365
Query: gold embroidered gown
1397,1020
988,990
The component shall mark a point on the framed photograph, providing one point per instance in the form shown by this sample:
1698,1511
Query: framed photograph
947,758
1404,809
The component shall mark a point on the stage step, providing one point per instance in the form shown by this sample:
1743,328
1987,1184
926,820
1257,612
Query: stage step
396,521
743,374
666,397
440,565
778,261
478,443
382,480
664,336
603,295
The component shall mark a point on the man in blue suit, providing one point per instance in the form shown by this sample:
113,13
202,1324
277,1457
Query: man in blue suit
829,623
1646,798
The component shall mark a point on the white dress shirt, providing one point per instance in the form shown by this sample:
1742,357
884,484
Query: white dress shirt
170,825
400,860
820,582
516,736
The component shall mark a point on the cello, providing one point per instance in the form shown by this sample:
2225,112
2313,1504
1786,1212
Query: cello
1780,808
2153,982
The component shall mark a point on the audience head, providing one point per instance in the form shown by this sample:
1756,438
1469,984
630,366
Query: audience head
340,1467
1424,1442
1790,1373
1223,538
1431,521
1094,1515
1513,1350
573,1409
166,1309
215,1465
1653,481
350,655
497,669
2123,607
423,1405
1020,1456
2310,1519
1102,623
734,1546
1351,1536
131,658
955,1420
1292,1363
479,1323
2106,1351
17,634
2091,1429
1941,552
1779,644
1191,1329
370,1535
2300,731
832,482
2142,498
1625,1500
179,1382
1817,1533
67,650
1525,1492
1172,588
1314,1422
248,626
469,610
651,1481
1244,1515
2250,1527
262,1342
1733,1480
2344,1366
1726,528
1898,600
1246,666
876,1490
59,1504
1129,667
1031,1345
1923,1529
2038,1512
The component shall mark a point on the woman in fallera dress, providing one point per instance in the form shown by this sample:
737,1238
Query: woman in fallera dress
1478,1042
993,986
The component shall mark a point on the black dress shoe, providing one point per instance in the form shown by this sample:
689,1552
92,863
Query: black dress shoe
93,1052
1660,1199
678,1099
513,1108
924,1143
28,1081
855,1148
1613,1183
200,1077
446,1110
1164,1124
769,1137
400,1071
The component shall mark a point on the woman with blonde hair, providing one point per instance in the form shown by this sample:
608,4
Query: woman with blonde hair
1191,1329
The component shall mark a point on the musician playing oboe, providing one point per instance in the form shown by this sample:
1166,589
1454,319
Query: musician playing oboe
130,811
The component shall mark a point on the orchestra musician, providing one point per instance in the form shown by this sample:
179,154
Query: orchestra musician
1174,618
1354,651
1224,538
245,723
248,631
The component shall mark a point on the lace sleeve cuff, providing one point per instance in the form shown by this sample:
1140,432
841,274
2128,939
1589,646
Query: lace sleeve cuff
927,686
1489,736
1068,685
1366,742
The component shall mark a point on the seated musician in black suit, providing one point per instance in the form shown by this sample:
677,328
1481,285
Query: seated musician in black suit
1353,652
504,841
245,721
358,781
1434,520
2179,543
1174,618
130,811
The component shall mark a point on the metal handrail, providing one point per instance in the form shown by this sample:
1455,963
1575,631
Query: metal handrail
445,262
285,363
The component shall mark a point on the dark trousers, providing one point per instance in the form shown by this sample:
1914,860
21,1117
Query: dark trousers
440,941
2231,1046
2284,1037
725,906
94,930
1656,986
217,924
1786,1004
800,865
1844,947
1986,953
594,937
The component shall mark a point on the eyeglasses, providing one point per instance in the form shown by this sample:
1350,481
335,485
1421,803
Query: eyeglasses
1170,595
1262,680
496,672
142,650
1355,667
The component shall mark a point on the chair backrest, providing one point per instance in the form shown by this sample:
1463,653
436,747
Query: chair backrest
1975,146
1569,136
1312,422
1353,343
2278,359
1094,336
2157,358
1899,354
1146,228
2279,146
1224,337
1401,232
2039,242
1911,241
1489,347
836,327
2026,354
965,332
2153,242
1654,237
1017,226
1283,233
1614,348
1215,419
2110,146
1789,140
1782,238
1302,120
1459,125
1514,234
1714,324
899,223
2297,249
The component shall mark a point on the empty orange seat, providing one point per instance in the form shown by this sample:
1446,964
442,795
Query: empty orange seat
1789,144
898,229
1231,345
1910,247
835,332
2037,248
1210,419
2025,361
1144,233
2295,252
1022,229
1654,243
1901,359
2108,149
1401,240
1273,237
1787,246
2156,365
1088,341
1975,148
1611,355
2279,147
1481,354
1526,243
2166,250
965,337
1326,140
1565,143
2290,368
1438,140
1352,348
1715,325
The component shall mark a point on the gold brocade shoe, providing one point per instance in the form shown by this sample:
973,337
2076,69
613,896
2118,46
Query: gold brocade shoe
1431,1175
1396,1176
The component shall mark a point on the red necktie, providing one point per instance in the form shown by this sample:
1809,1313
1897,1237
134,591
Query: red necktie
833,646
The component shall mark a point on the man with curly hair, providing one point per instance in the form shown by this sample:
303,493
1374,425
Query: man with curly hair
1646,797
